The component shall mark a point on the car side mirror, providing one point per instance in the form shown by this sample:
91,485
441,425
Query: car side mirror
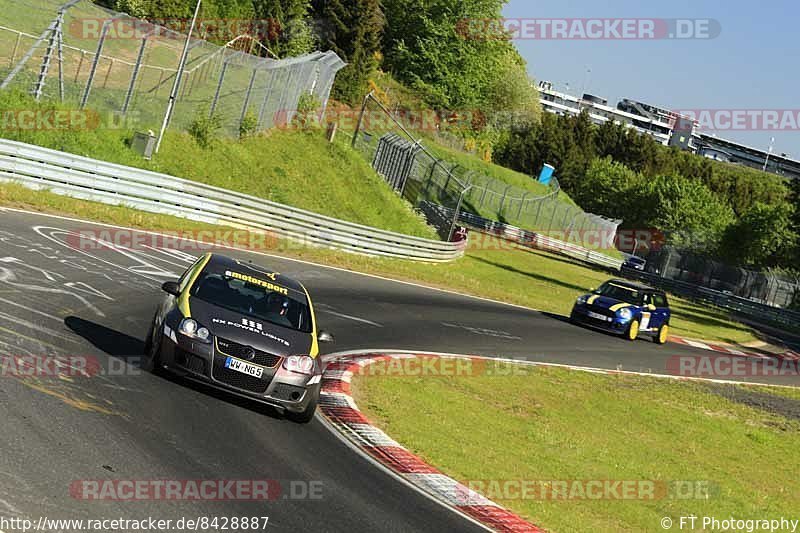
651,307
593,290
325,337
171,287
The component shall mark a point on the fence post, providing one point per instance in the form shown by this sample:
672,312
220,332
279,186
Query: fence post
360,119
521,203
247,95
219,84
14,51
135,74
96,60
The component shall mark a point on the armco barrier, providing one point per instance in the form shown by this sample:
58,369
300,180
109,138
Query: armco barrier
740,306
89,179
525,237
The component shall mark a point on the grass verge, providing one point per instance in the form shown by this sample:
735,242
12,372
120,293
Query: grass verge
297,168
561,425
524,277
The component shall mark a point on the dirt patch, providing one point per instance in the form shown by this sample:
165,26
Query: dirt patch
786,407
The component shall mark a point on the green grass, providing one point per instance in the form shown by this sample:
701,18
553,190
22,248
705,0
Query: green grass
297,168
560,425
524,277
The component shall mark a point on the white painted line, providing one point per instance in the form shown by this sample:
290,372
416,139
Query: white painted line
373,436
413,353
696,344
285,258
449,490
340,431
322,308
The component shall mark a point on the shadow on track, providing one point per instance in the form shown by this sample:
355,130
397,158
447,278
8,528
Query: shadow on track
131,349
112,342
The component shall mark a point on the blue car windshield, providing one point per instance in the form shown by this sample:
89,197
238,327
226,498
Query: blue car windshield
620,292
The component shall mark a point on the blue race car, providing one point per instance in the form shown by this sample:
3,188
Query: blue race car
625,308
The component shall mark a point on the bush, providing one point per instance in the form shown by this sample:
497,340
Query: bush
248,126
204,128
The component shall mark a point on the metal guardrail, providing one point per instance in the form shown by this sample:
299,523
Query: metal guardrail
99,181
528,238
742,306
730,302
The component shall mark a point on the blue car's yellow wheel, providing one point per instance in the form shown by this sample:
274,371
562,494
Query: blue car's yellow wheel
663,335
633,330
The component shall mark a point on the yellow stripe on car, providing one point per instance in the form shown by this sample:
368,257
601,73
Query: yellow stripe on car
591,299
314,351
617,307
183,298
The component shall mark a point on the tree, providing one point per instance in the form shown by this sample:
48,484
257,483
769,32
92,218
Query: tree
284,26
686,211
352,29
763,237
426,47
606,188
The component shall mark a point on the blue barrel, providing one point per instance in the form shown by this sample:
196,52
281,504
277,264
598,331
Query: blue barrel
547,174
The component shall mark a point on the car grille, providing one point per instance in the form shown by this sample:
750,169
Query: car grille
237,379
602,311
247,353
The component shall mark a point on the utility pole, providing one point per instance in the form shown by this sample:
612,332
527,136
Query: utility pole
176,85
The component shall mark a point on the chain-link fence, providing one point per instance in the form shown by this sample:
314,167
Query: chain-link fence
763,287
125,68
421,176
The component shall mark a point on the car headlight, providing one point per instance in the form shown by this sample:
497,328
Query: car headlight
301,364
581,300
191,328
625,314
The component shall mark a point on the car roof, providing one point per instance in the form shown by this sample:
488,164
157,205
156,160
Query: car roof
219,262
635,285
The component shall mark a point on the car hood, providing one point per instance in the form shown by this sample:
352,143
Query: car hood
604,302
249,331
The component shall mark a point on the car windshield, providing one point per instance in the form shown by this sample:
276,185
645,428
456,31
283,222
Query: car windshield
254,301
621,293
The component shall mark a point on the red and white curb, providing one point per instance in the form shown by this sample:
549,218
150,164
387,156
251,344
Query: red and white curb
337,404
719,348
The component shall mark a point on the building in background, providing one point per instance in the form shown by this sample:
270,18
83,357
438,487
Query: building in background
668,128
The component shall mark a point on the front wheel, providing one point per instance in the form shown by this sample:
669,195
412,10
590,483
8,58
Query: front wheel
633,330
662,335
151,361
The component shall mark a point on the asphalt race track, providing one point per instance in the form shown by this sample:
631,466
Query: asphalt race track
56,299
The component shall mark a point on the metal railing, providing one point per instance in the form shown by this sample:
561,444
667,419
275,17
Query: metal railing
390,145
99,181
124,68
528,238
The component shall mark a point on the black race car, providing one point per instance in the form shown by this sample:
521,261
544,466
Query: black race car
241,328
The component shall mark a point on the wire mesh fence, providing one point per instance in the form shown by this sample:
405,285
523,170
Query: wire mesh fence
125,68
421,176
763,287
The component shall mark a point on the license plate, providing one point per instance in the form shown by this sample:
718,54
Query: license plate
243,367
598,316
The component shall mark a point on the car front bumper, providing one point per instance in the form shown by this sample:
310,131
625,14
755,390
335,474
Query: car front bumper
279,388
599,320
